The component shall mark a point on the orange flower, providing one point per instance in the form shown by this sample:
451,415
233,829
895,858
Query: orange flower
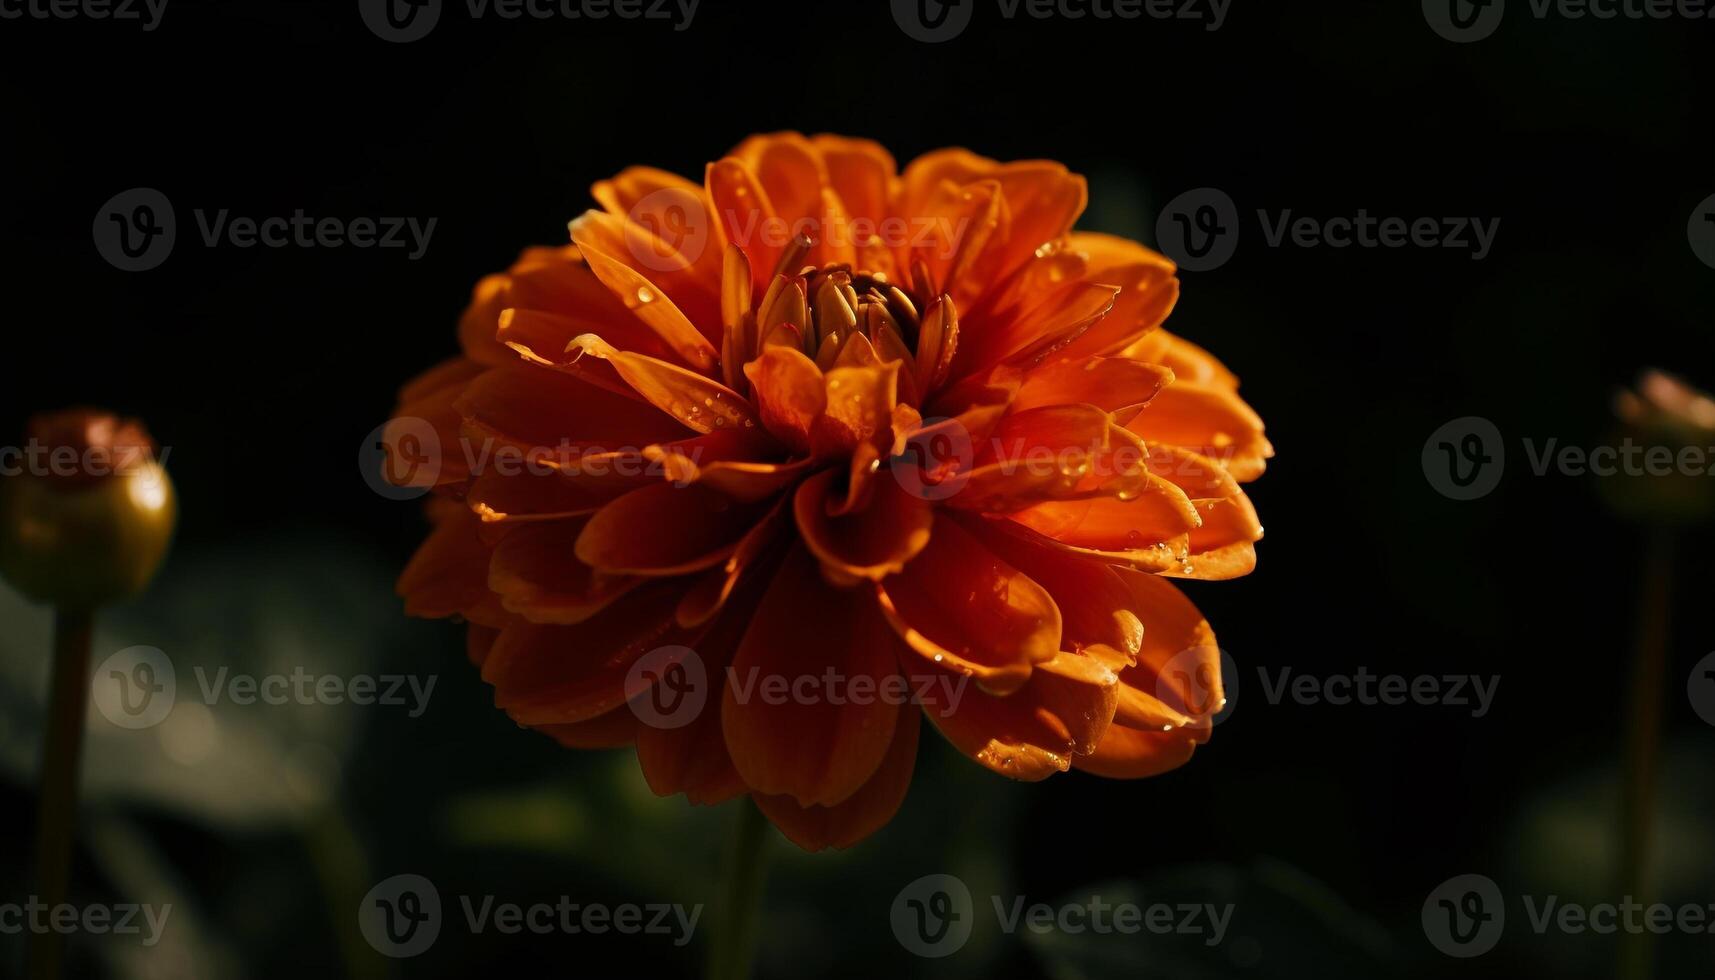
825,423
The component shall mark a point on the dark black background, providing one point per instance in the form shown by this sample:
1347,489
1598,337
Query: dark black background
1589,140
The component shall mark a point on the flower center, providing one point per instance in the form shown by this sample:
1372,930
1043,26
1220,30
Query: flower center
818,308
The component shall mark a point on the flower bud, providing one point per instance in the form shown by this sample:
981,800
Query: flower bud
1676,422
86,511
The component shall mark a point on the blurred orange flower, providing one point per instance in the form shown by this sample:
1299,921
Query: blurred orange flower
816,420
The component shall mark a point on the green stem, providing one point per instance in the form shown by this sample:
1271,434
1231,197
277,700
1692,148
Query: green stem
1643,745
56,811
734,940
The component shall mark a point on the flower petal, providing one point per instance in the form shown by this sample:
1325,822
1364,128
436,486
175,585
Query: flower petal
817,750
1109,383
616,729
448,576
552,675
1127,753
1210,420
665,530
789,392
815,828
1066,709
657,262
528,407
959,606
649,302
871,542
696,401
537,576
1224,546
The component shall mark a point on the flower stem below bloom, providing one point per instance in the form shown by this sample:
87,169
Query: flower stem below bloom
734,941
56,812
1643,744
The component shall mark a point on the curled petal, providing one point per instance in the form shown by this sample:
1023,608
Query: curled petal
1187,360
1209,420
1158,513
1065,710
790,394
1224,546
959,606
696,401
1109,383
871,542
1128,753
